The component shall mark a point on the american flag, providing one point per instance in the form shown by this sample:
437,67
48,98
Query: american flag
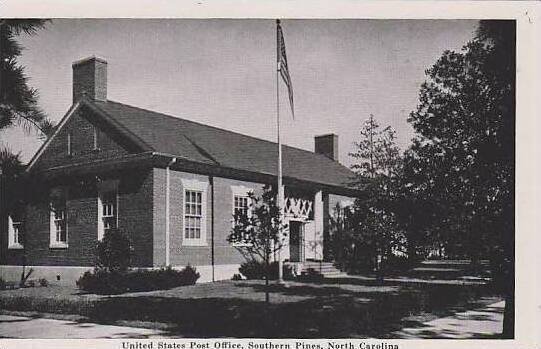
282,63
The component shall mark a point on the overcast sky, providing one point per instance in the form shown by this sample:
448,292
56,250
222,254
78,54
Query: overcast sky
223,72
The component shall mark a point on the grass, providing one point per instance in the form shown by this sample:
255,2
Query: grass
331,308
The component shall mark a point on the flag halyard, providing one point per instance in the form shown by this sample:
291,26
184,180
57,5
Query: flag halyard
282,64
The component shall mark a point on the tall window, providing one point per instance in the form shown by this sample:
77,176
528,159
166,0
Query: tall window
15,231
193,214
241,204
107,206
59,223
109,211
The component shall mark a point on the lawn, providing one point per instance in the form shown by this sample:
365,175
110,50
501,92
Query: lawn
331,308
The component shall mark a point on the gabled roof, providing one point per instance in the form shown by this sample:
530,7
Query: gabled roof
209,145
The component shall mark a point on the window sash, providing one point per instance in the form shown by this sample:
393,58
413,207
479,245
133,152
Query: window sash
108,210
193,214
15,232
60,225
241,205
59,219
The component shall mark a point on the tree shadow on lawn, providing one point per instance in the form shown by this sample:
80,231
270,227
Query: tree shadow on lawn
326,312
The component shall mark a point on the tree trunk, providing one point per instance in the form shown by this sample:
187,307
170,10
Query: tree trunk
267,276
508,331
509,317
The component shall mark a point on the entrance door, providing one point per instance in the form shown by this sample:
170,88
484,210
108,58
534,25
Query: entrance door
296,241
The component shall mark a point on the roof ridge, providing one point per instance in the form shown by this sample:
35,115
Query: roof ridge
222,129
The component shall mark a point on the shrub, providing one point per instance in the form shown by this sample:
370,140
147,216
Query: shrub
43,282
114,251
236,277
256,270
397,264
102,281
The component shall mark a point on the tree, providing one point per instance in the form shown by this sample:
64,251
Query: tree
114,251
18,101
373,221
462,159
11,183
259,232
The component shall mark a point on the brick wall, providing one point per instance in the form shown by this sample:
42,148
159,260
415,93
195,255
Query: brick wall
181,254
81,130
135,216
224,253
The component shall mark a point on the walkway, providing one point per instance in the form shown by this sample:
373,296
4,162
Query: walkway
486,322
26,327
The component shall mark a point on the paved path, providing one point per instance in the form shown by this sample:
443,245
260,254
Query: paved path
486,322
26,327
480,323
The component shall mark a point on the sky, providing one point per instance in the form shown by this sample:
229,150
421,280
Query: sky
223,72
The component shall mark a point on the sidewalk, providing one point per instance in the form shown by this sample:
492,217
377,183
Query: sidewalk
27,327
486,322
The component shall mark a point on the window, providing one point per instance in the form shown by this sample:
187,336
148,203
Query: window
194,222
107,206
15,232
193,214
59,222
241,199
241,204
109,211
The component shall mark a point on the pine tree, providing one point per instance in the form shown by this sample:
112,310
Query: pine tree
19,101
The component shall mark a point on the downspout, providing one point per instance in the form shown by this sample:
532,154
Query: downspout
211,179
167,215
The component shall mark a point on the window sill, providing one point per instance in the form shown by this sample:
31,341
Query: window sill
190,243
15,247
58,246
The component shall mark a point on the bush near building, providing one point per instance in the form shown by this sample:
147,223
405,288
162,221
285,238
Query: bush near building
112,274
101,281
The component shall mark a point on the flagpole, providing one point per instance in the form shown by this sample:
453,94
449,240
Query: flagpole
280,192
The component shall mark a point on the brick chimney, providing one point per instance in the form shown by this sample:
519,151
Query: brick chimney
90,79
327,145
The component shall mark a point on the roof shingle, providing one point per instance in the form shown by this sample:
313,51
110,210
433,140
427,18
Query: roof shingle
202,143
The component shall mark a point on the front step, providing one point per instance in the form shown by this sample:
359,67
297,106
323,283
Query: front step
318,268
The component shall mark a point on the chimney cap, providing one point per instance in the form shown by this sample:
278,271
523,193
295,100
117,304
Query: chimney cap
89,59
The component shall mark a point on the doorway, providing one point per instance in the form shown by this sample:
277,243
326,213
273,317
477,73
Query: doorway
296,241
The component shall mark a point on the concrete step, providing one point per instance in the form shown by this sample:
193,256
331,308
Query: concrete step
323,268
